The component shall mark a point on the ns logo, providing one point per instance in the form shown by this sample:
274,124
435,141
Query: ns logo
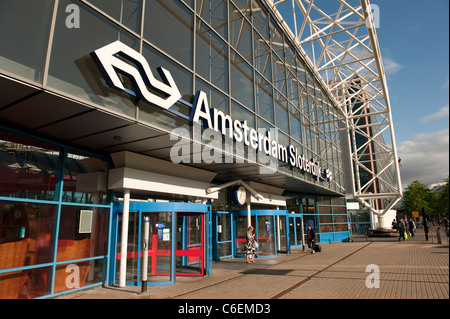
109,63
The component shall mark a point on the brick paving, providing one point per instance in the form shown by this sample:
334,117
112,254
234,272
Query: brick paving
413,269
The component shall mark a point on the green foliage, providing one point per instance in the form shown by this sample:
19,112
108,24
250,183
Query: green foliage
442,201
418,196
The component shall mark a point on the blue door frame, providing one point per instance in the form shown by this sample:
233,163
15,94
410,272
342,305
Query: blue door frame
219,229
259,213
155,207
295,236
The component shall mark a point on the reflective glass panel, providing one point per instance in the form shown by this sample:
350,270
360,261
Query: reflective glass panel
281,114
240,34
241,113
24,33
26,234
241,74
264,99
262,57
211,57
78,275
127,12
83,232
26,284
260,20
85,180
169,26
214,12
72,69
28,168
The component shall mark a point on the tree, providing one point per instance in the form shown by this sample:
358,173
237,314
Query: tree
442,200
418,196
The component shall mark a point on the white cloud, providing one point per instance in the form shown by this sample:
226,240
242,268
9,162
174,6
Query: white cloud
425,158
390,66
442,113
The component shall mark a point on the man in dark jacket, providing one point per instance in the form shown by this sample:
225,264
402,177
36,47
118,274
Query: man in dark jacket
412,227
311,235
425,228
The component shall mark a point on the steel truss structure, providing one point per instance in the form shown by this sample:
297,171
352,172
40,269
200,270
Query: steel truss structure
339,41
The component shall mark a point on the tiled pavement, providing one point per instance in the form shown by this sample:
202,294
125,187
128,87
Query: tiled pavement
413,269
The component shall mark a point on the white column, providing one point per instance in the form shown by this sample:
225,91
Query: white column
249,212
278,231
124,239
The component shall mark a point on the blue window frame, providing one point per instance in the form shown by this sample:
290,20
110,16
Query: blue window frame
223,235
295,230
328,216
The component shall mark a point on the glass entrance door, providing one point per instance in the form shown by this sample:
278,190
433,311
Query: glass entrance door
272,231
295,226
265,233
159,246
177,245
190,244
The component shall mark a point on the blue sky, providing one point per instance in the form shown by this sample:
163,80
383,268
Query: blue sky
414,41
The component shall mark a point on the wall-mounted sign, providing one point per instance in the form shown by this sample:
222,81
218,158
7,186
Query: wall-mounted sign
110,65
111,62
85,225
160,229
261,141
166,234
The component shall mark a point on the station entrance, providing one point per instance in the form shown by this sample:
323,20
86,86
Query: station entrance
272,231
176,246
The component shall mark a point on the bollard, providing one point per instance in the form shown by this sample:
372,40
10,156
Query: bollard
145,253
303,234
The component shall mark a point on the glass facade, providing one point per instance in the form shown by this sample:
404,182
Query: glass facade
54,221
232,50
326,215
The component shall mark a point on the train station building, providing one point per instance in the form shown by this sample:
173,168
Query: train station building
188,121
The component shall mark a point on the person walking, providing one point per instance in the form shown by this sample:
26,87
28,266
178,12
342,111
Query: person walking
401,230
394,224
412,227
425,228
250,245
407,227
311,236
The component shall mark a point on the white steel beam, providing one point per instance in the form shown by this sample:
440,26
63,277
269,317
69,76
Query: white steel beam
339,42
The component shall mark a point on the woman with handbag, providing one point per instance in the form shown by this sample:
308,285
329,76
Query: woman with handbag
250,245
